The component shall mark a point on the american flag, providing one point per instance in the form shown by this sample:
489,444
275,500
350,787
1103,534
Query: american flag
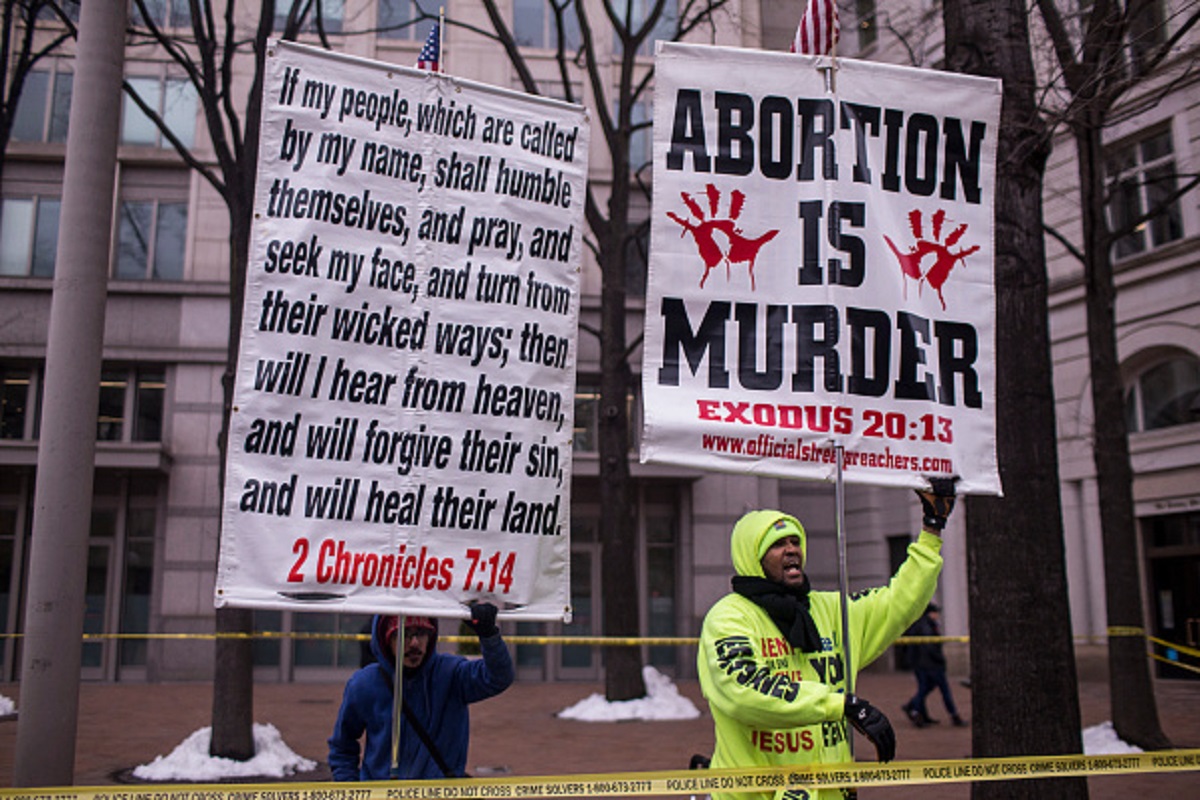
818,30
430,54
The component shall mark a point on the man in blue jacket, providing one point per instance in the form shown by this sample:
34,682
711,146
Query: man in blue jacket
437,689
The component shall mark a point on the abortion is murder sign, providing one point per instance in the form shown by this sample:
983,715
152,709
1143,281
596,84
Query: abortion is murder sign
401,436
821,269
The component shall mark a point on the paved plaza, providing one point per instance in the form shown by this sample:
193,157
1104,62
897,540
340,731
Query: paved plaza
124,725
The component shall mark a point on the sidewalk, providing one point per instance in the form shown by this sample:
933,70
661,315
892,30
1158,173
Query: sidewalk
124,725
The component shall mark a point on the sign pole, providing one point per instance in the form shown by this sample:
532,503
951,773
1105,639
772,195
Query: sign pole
830,73
397,696
843,573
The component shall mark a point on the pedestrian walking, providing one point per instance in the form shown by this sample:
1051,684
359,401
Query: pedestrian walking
929,666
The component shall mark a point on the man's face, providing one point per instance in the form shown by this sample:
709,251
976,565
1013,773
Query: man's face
416,642
784,562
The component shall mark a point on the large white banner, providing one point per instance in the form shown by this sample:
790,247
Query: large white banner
821,269
401,437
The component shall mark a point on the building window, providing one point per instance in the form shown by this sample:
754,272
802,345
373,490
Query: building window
131,404
1147,32
1164,395
585,437
637,260
553,88
68,7
173,99
151,240
1141,174
662,545
534,25
586,433
138,572
396,21
1175,530
640,139
330,643
150,387
665,29
17,392
868,32
165,13
44,107
8,570
332,14
330,647
267,651
29,236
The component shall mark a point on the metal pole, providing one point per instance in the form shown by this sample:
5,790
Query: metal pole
398,697
441,39
54,608
843,577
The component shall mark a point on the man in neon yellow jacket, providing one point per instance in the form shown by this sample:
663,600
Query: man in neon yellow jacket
771,658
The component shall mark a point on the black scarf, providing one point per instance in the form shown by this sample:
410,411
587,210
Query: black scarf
787,608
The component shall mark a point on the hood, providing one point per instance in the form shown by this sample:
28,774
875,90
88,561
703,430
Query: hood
754,534
383,653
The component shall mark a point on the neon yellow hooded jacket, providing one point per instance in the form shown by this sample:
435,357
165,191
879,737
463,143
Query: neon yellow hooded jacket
775,705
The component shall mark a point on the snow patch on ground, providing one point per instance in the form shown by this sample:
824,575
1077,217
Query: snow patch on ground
662,702
1102,739
190,761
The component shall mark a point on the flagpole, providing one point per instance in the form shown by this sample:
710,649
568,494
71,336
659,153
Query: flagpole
441,37
831,75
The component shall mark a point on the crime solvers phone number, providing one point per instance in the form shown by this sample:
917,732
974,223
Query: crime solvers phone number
335,562
894,425
210,794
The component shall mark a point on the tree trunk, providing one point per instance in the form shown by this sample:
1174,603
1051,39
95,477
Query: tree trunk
1022,658
618,534
1135,715
233,687
618,501
233,667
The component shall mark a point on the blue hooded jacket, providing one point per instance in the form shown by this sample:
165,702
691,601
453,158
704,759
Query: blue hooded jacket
437,692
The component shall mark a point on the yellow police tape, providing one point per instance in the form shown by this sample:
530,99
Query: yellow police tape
594,641
639,784
1188,651
1124,630
1175,663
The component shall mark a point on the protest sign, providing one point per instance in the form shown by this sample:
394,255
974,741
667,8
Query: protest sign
401,436
821,269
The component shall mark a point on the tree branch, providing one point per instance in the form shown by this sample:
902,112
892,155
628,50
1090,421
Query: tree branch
1066,243
505,38
1154,211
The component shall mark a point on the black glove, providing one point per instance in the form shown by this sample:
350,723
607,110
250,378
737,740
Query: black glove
937,502
483,620
871,723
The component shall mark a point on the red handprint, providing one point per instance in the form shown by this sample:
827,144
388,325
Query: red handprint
944,260
739,249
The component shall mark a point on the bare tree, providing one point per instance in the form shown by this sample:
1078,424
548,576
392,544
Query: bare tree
208,57
1118,46
21,48
212,57
1023,684
617,231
